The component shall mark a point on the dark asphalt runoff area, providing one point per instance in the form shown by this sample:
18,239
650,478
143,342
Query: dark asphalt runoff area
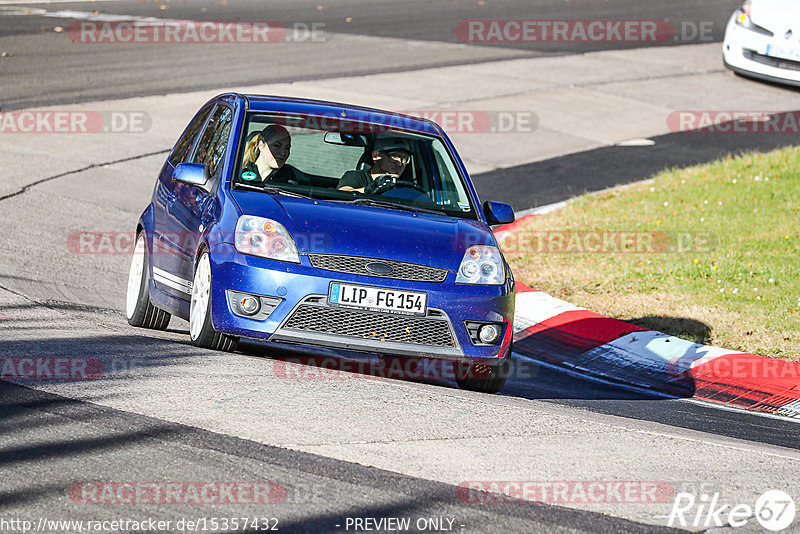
559,179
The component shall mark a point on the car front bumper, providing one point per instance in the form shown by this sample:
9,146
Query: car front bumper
304,316
745,52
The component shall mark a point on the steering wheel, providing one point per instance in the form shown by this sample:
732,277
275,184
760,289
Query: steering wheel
406,184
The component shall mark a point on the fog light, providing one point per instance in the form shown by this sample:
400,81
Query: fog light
255,307
250,305
489,334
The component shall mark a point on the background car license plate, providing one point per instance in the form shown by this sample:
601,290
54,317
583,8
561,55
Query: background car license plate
378,299
792,53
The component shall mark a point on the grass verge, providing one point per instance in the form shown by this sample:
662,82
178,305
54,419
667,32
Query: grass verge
708,253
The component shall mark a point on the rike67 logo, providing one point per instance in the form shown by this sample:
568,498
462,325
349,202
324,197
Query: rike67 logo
774,510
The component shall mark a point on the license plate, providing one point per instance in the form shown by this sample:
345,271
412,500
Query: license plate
377,299
783,52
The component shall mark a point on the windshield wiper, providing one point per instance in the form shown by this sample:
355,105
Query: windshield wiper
269,189
392,205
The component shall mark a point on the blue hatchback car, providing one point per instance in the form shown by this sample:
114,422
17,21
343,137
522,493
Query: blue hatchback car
325,224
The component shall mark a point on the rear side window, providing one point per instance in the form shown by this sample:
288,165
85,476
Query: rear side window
184,145
212,145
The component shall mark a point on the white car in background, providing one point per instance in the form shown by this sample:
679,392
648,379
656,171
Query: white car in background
762,40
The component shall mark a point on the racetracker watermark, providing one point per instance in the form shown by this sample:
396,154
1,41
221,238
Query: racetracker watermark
74,122
564,491
470,121
396,368
734,121
603,242
142,524
167,243
211,492
69,368
50,368
194,32
583,31
736,366
451,120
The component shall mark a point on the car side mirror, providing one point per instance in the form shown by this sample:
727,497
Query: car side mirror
498,213
191,173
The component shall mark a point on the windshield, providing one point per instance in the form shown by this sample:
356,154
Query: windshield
344,161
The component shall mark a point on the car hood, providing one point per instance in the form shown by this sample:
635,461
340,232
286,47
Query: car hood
777,16
342,228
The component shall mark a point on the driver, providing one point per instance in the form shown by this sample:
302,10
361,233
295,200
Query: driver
389,156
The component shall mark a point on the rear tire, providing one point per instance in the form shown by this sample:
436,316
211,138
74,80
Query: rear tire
482,377
201,330
138,308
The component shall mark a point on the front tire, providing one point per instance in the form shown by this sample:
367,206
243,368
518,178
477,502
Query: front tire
138,308
201,330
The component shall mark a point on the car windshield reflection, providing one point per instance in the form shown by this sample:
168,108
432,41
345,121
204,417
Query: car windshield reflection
350,162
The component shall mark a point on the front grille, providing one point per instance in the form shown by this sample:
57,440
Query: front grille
358,265
776,62
371,326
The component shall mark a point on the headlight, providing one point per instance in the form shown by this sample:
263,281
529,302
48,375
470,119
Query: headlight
746,7
743,15
266,238
482,264
743,20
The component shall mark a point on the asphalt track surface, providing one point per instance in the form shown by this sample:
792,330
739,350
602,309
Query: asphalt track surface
45,67
49,441
321,492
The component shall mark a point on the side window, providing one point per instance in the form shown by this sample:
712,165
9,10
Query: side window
184,144
211,147
455,191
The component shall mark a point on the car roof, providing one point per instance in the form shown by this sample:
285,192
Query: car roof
303,106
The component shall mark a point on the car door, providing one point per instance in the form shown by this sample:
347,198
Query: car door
194,208
165,239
